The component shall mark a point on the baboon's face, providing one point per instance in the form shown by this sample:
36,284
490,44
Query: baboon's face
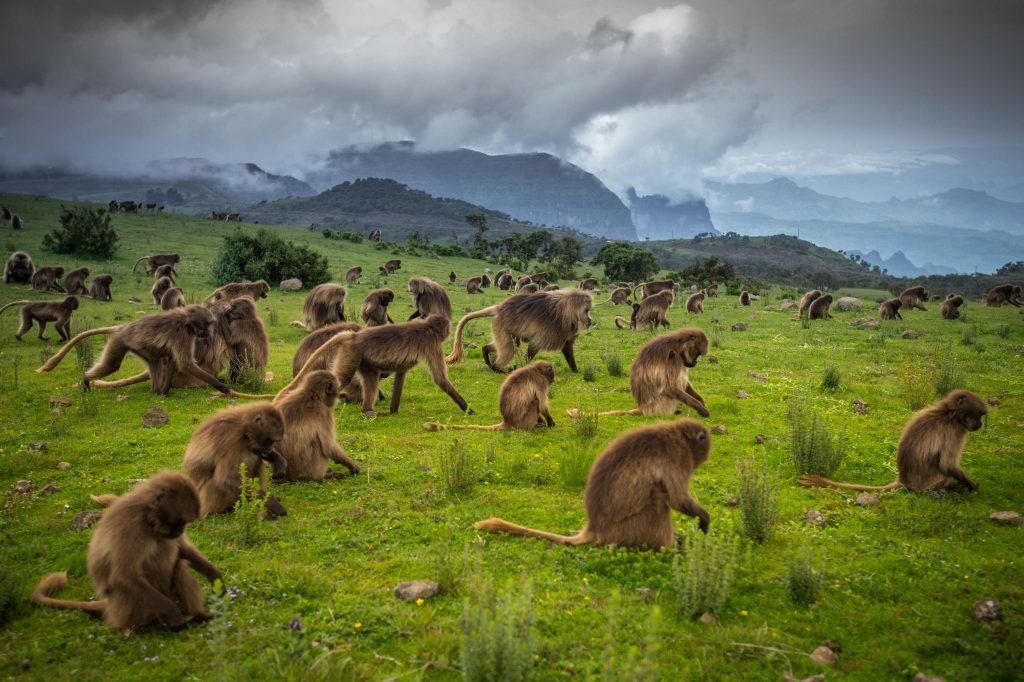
71,302
969,408
693,348
386,299
200,321
173,508
265,430
548,370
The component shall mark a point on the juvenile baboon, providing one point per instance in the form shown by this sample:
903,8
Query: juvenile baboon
890,309
912,298
164,341
651,288
452,277
522,401
711,290
588,284
819,308
310,437
374,311
429,298
388,348
951,307
618,297
523,281
74,282
745,298
473,286
58,312
46,279
324,305
390,267
17,223
254,290
545,320
156,260
172,298
530,288
164,271
695,303
139,559
650,313
485,281
236,435
354,275
633,485
1004,293
99,288
930,447
807,299
503,280
160,287
19,268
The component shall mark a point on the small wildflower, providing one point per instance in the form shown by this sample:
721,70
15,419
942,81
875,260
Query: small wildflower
419,601
743,613
295,624
358,625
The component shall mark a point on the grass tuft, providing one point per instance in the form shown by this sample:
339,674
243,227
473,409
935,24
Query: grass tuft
574,467
249,509
702,572
759,500
587,423
815,449
497,631
613,363
831,378
949,378
589,373
803,583
459,468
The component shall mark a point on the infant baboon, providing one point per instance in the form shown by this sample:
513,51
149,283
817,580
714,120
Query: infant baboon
951,307
890,309
429,298
58,312
522,401
99,288
19,268
745,298
930,447
807,299
164,271
819,308
1004,293
695,303
354,275
374,311
139,559
156,260
545,320
633,485
46,279
912,298
254,290
241,434
324,305
651,288
473,286
172,298
310,437
650,313
588,284
161,287
74,282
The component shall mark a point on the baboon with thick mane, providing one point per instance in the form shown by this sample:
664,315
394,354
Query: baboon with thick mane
99,287
473,286
160,287
155,260
522,401
818,309
889,309
172,298
310,436
74,282
47,279
254,290
650,313
912,298
1004,293
695,303
325,304
452,277
429,298
374,311
633,486
354,274
19,268
951,307
41,312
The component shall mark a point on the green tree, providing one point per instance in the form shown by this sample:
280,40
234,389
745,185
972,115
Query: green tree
626,262
84,230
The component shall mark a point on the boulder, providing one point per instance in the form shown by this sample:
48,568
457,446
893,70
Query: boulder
1007,518
847,303
292,284
154,416
866,500
416,589
911,334
988,610
786,304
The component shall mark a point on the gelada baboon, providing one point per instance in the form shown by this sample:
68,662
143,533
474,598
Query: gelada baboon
651,288
19,268
889,309
522,401
913,297
473,286
485,281
503,280
164,341
99,288
17,223
164,271
310,438
353,393
711,290
236,435
618,297
807,299
374,311
819,308
633,485
545,320
951,307
1004,293
245,336
550,287
522,282
156,260
452,277
540,277
5,213
254,290
429,298
172,298
74,282
930,447
389,267
388,348
354,275
160,287
650,313
139,559
588,284
530,288
695,303
324,305
58,312
47,279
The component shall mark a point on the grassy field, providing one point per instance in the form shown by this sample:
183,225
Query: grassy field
311,593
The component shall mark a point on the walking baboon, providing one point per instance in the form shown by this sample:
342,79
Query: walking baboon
325,304
390,267
156,260
74,282
160,287
164,271
618,297
310,437
930,447
46,279
1004,293
254,290
807,299
819,308
912,298
651,288
890,309
353,393
473,286
429,298
633,485
695,303
19,268
139,559
522,401
374,311
58,312
172,298
951,307
354,275
99,288
650,313
711,290
588,284
545,320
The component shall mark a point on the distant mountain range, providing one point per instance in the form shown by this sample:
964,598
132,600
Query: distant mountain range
658,217
899,265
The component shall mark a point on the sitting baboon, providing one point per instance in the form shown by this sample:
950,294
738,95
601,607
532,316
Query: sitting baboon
325,304
550,287
245,336
807,299
46,279
711,291
74,282
254,290
310,437
695,303
745,298
429,298
951,307
58,312
651,288
503,280
374,311
160,287
165,271
545,320
139,559
911,298
99,288
19,268
522,282
1004,293
890,309
172,298
156,260
588,284
354,275
522,401
633,485
231,437
650,313
930,447
819,308
17,223
473,286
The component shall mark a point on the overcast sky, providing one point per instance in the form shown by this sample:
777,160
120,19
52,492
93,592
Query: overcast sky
643,93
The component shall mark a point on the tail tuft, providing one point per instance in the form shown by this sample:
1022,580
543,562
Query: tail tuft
432,426
49,585
104,500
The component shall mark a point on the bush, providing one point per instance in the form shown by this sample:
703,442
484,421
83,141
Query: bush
702,572
497,631
815,449
626,262
249,508
84,230
1003,331
803,583
586,423
589,373
969,336
266,256
917,388
613,363
759,500
458,467
949,378
831,378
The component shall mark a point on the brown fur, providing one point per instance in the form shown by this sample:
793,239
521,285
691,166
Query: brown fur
172,298
503,281
485,281
99,288
913,297
651,288
19,268
650,313
254,290
807,299
164,271
711,290
745,298
353,393
473,286
1004,293
374,311
324,305
523,281
890,309
429,298
452,277
390,267
245,336
310,438
930,447
139,560
951,307
17,223
160,287
42,312
695,303
74,282
633,486
819,308
156,260
545,320
529,289
47,279
589,284
540,277
618,297
354,275
522,401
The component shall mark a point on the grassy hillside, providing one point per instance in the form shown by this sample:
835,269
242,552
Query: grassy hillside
311,593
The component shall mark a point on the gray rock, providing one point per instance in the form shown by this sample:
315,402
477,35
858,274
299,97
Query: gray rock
50,489
645,593
911,334
860,407
1008,518
866,500
742,394
37,447
870,324
412,590
708,618
814,518
922,677
718,430
993,401
847,303
713,359
63,465
988,610
86,519
739,327
760,438
824,656
786,304
24,486
155,416
293,284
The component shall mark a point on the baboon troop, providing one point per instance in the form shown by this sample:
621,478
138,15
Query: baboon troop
889,309
374,311
429,298
19,268
818,309
695,303
310,439
42,312
154,261
951,307
254,290
172,298
74,282
1004,293
99,288
353,275
913,297
522,401
325,304
47,279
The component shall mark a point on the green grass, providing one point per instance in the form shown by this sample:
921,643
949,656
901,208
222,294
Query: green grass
900,580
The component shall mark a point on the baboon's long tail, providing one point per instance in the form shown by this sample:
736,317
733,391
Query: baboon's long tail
55,360
328,347
104,500
458,352
437,426
121,383
621,322
58,581
12,304
812,481
576,414
134,267
633,294
495,525
245,396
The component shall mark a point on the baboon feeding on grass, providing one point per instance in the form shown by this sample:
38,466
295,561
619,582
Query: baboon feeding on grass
429,298
310,437
522,401
650,313
19,268
99,288
452,277
951,307
390,267
139,559
354,275
807,299
74,282
618,297
818,309
651,288
324,305
172,298
47,279
156,260
41,312
374,310
633,487
890,309
1004,293
160,287
695,303
930,447
254,290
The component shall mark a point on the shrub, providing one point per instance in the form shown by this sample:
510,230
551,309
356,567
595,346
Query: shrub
574,466
1003,331
250,375
831,378
249,508
458,467
589,373
815,449
917,388
328,233
497,631
969,336
84,230
85,351
702,572
586,423
265,255
803,583
613,363
949,378
759,500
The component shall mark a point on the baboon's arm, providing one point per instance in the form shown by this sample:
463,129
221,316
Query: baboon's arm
195,558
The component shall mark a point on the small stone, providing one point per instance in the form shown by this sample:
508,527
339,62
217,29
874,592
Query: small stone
911,334
742,394
993,401
856,322
988,610
24,486
815,518
63,465
1008,518
713,359
62,400
739,327
106,479
870,324
718,430
291,284
757,375
154,416
412,590
922,677
268,377
273,507
122,396
860,407
866,500
708,618
824,656
85,520
645,593
37,447
732,502
760,438
50,489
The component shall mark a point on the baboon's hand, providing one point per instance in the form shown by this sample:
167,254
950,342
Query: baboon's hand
175,621
470,410
705,522
703,411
